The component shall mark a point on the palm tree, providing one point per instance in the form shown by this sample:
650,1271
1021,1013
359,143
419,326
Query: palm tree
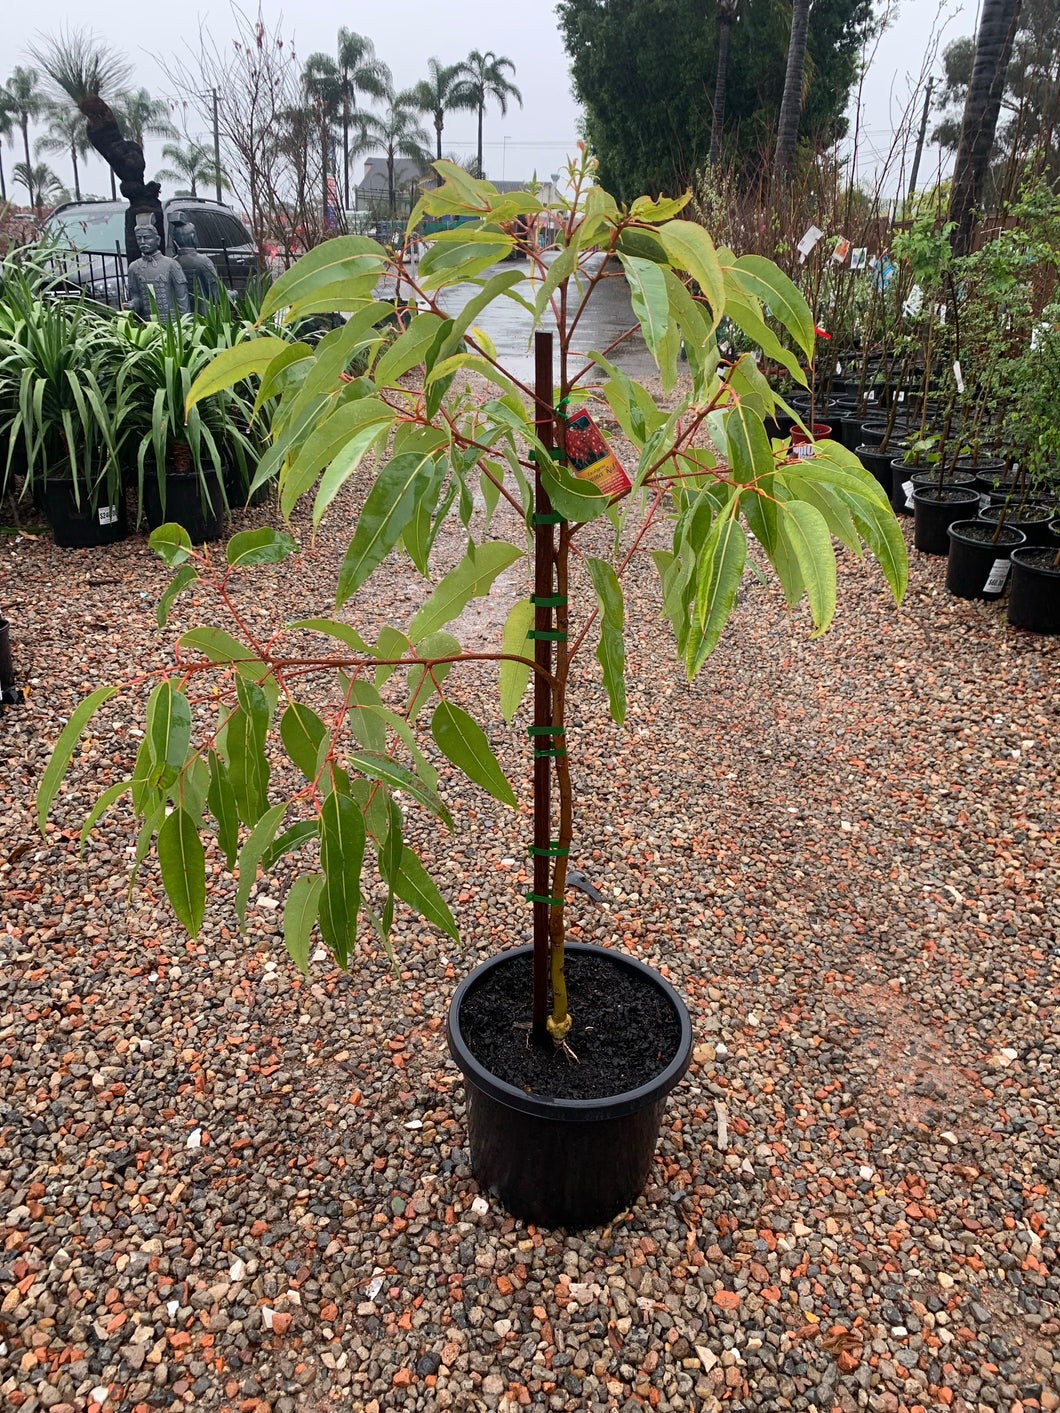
192,164
444,92
322,82
24,101
485,78
726,14
993,49
67,132
359,69
43,186
398,134
139,115
791,102
7,127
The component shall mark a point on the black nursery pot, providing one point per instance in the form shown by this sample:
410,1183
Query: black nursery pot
979,566
83,526
934,511
563,1162
1032,520
185,504
1034,598
878,463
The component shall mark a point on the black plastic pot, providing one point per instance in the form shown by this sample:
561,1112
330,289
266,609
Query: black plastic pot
949,478
10,695
563,1162
935,510
1034,598
902,484
1032,520
83,526
186,504
878,462
979,566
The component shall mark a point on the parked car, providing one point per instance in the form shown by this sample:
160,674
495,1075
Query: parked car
90,245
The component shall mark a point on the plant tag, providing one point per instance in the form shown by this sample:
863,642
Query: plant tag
859,257
841,251
958,375
984,502
907,486
809,240
872,394
805,451
901,396
839,370
108,515
592,459
996,579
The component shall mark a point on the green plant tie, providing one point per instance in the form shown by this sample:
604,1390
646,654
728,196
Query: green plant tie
546,730
544,898
549,600
551,751
552,518
555,452
550,851
563,402
548,635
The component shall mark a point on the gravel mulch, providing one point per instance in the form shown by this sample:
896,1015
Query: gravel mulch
225,1188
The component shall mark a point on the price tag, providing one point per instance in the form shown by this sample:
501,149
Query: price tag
108,515
907,486
996,579
958,375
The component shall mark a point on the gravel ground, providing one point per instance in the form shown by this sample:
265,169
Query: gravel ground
221,1187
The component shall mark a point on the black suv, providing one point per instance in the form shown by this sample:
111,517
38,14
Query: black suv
90,240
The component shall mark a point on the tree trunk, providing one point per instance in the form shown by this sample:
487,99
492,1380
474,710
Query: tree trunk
390,177
480,173
438,130
720,83
346,142
324,171
126,162
791,103
77,181
993,49
3,183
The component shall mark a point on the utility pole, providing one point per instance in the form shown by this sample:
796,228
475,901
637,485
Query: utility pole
920,139
216,148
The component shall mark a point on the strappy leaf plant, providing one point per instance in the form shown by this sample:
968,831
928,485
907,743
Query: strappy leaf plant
435,420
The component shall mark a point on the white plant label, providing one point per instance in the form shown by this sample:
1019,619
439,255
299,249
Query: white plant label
959,376
984,501
809,240
805,451
108,515
907,486
995,580
901,396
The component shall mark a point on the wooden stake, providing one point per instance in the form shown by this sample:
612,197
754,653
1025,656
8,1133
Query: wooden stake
544,560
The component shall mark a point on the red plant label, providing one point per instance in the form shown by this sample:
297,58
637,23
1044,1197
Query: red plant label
592,459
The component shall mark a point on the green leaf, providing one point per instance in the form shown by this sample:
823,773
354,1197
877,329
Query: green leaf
421,681
344,465
302,731
386,512
299,914
571,496
561,268
463,742
261,836
646,208
248,767
264,546
185,575
391,772
168,730
345,261
408,349
232,365
337,440
689,247
516,675
611,650
222,802
392,644
64,748
472,578
648,291
756,275
364,716
191,786
183,863
746,315
288,841
172,543
450,262
219,646
342,841
101,806
417,888
720,570
334,629
804,531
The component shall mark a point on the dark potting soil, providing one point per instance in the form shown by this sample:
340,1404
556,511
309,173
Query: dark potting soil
1045,558
984,534
624,1031
946,496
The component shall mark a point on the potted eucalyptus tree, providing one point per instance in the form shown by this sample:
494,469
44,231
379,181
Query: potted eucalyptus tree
431,419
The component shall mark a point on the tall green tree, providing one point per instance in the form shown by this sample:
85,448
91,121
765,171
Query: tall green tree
139,115
191,165
643,71
359,72
25,101
322,81
486,79
43,187
726,14
398,134
7,128
443,91
67,132
998,20
791,102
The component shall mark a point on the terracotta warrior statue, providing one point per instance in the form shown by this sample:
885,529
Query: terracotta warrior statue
157,274
199,271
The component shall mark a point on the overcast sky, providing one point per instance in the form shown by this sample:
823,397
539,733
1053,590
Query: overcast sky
536,137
